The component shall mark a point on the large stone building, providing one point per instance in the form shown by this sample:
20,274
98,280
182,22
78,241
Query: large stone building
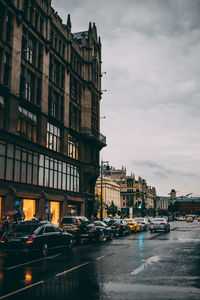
110,193
50,91
135,194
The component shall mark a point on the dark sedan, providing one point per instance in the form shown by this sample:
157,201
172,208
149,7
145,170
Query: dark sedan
33,236
98,231
119,227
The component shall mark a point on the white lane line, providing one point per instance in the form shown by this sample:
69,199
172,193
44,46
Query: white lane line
20,290
32,261
98,258
72,269
149,261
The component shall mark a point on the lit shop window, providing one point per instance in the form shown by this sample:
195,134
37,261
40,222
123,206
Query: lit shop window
28,209
53,137
55,212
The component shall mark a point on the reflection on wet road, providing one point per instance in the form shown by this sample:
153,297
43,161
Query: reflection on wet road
138,266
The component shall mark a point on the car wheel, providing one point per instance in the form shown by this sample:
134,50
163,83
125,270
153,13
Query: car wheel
100,237
45,250
69,244
111,236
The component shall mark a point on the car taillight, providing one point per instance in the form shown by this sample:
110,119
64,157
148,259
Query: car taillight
3,240
119,225
31,239
94,228
162,223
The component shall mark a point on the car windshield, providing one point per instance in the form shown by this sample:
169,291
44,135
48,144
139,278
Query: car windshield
100,223
113,222
158,220
69,220
27,228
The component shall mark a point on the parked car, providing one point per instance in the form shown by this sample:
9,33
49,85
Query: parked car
198,219
31,236
119,227
75,225
189,219
99,231
143,222
181,218
134,226
159,224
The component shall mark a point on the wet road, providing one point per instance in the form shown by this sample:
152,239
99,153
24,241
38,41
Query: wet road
139,266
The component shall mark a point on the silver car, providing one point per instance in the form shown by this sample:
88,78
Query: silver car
159,224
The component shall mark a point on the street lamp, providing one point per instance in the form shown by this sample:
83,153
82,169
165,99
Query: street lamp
101,167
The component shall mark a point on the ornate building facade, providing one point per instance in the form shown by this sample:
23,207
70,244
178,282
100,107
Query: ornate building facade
135,194
50,92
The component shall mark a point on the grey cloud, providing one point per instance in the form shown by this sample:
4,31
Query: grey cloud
161,170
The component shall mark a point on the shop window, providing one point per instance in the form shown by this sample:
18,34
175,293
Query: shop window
27,124
53,137
73,209
55,212
28,209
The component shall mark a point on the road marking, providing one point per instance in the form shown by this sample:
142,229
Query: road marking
72,269
32,261
82,265
22,289
149,261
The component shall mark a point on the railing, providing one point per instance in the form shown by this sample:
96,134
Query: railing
94,133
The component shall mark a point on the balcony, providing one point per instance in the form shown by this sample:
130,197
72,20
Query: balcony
93,134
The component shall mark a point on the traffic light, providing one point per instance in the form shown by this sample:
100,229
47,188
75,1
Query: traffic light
140,206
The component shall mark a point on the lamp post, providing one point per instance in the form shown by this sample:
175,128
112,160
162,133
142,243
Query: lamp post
101,207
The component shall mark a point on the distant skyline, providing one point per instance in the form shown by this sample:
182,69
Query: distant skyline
151,54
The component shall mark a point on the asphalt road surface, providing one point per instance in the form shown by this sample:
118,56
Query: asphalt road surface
138,266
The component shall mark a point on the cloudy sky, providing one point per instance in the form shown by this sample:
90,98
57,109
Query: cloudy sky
151,56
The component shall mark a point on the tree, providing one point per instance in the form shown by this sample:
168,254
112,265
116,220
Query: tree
174,207
112,209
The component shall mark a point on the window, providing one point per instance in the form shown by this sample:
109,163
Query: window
54,104
28,90
73,147
41,25
74,117
6,68
27,124
9,27
55,72
28,47
53,137
21,165
2,18
2,112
